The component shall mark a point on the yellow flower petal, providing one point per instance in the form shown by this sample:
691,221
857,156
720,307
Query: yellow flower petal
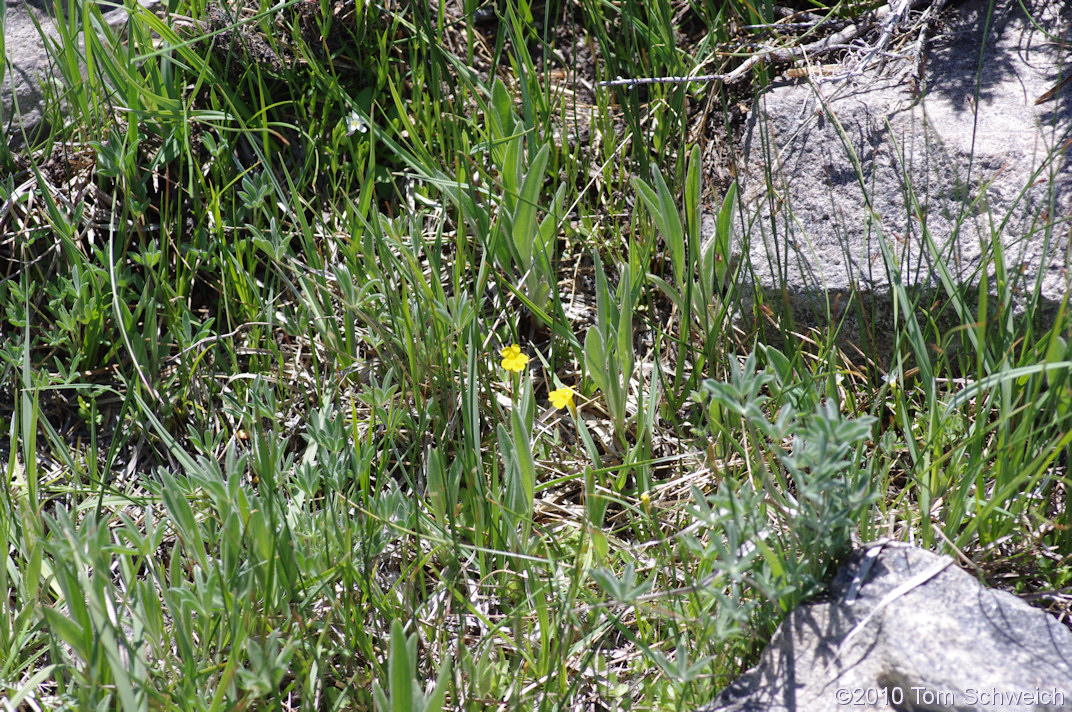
513,359
562,397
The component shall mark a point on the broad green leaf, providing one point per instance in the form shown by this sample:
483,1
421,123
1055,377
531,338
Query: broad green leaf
379,698
512,173
625,329
524,228
692,203
401,670
182,515
669,291
68,631
722,244
783,369
513,496
674,239
435,473
606,311
526,470
595,358
502,110
673,232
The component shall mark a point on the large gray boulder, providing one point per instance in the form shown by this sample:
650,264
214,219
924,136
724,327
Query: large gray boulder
28,33
965,153
905,629
22,100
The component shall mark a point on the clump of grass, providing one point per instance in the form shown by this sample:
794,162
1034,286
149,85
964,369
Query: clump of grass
262,442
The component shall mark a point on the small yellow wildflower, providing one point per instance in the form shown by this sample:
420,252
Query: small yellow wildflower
562,397
513,359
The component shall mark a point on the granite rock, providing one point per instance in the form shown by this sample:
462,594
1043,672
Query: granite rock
905,629
22,99
831,170
28,31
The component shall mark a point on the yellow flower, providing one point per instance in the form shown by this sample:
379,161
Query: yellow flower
513,359
562,397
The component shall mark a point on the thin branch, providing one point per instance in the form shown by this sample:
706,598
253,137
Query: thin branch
887,19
